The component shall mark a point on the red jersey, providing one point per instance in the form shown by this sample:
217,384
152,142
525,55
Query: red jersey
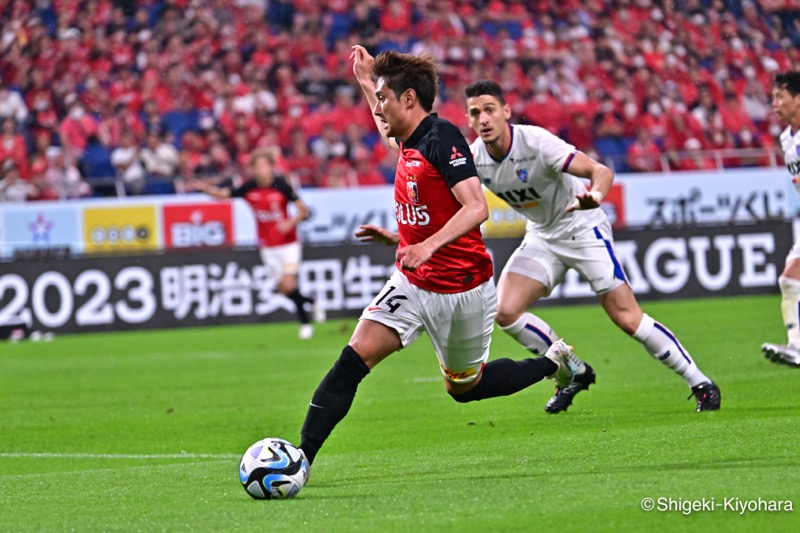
433,160
270,205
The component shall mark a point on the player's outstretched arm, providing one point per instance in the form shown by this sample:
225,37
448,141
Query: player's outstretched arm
472,214
370,233
601,177
221,193
362,69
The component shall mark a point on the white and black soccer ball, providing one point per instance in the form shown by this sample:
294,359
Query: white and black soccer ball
273,469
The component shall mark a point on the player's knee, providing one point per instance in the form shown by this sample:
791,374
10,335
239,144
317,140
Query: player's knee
628,322
507,316
287,285
463,392
464,397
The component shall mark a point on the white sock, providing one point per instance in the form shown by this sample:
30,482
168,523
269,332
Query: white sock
536,336
790,300
662,344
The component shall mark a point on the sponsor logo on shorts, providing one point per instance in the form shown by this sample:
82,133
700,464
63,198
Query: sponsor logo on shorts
458,376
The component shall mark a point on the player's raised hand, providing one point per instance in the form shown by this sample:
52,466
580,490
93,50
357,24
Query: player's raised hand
413,256
587,200
371,233
362,63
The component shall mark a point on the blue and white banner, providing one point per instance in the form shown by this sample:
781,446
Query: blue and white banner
232,286
681,199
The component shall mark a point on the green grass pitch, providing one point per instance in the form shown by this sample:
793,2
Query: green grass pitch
143,432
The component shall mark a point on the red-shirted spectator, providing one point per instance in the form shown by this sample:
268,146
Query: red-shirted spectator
694,158
338,174
367,174
542,109
40,94
719,138
579,131
301,163
643,153
567,51
396,17
124,89
734,116
115,122
76,130
681,126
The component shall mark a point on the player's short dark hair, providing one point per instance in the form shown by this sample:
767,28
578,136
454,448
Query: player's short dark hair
405,71
481,87
789,81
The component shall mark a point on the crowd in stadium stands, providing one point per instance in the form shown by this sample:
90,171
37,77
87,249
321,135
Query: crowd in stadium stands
157,93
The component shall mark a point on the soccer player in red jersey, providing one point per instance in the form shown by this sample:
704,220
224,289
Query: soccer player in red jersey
443,284
269,196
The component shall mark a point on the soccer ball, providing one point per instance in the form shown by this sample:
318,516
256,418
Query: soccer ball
273,469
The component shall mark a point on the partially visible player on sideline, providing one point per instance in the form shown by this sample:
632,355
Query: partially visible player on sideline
443,284
269,196
537,173
786,104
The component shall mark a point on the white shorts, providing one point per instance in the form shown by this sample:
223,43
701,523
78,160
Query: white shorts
459,324
283,259
590,253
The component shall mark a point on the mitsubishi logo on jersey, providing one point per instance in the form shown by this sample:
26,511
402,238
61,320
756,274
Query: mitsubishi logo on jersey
457,159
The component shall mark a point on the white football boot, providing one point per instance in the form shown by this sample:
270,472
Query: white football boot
561,354
781,354
306,332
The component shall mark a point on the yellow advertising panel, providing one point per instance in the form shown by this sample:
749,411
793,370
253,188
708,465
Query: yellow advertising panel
503,221
122,228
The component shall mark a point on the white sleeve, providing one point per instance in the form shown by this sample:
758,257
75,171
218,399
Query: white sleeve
556,152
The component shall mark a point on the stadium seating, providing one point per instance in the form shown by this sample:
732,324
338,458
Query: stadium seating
627,53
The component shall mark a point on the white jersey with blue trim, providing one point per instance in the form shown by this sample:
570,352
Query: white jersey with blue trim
532,179
790,144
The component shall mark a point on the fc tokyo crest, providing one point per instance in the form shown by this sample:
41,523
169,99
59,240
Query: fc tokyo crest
412,191
522,174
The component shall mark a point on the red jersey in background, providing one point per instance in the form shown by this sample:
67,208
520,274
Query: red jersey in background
270,206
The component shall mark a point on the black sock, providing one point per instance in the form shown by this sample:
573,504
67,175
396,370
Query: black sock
502,377
332,400
300,302
305,299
